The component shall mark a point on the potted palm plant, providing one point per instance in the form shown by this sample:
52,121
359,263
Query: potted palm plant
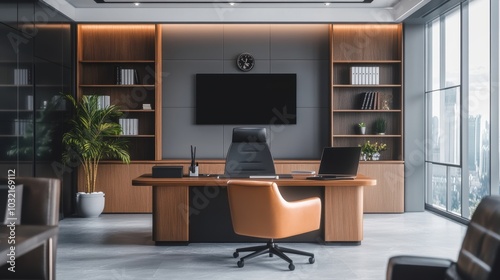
92,137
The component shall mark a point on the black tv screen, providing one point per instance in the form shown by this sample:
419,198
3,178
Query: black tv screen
246,99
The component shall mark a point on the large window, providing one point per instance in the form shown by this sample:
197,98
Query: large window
458,115
443,113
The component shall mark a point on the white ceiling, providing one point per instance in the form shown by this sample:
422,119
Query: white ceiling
242,11
246,4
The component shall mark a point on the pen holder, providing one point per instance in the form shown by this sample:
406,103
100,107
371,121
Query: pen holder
195,173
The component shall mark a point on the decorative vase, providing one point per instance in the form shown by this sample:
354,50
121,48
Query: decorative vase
375,156
89,205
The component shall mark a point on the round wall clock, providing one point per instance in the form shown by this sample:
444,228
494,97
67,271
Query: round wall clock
245,62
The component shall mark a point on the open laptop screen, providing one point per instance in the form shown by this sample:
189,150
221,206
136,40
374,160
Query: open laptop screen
341,161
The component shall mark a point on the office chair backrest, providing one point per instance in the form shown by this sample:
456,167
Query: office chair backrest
256,207
479,257
249,154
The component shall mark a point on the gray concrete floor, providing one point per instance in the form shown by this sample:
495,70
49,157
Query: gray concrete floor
119,246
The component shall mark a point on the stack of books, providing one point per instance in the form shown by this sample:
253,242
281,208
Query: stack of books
365,75
22,77
372,100
126,76
22,127
129,126
103,101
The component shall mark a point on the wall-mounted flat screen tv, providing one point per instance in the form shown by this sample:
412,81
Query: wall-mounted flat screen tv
246,99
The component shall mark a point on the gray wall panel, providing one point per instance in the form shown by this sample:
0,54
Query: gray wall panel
179,83
304,140
312,90
179,132
253,39
301,49
186,41
300,41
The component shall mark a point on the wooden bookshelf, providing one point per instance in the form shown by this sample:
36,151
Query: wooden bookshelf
104,49
101,50
370,45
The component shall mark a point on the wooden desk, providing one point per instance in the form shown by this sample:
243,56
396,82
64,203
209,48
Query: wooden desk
343,205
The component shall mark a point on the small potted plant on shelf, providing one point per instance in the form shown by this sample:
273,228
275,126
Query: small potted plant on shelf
362,128
371,151
380,126
92,136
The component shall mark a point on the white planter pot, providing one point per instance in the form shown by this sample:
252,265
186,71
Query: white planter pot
89,205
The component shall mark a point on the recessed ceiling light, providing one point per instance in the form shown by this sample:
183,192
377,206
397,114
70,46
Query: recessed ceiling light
137,4
232,3
327,4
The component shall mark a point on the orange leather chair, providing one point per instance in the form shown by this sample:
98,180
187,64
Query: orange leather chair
259,210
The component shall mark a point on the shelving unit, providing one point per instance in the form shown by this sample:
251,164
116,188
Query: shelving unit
13,108
102,49
370,45
105,48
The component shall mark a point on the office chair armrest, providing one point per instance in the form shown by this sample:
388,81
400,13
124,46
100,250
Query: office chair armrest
414,267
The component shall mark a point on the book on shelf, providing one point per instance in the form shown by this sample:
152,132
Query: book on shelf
130,126
103,101
126,76
365,75
22,127
371,100
29,102
364,101
22,77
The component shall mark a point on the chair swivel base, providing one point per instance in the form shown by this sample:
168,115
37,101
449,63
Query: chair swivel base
273,249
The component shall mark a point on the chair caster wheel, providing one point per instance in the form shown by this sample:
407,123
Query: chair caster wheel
235,255
270,255
241,263
311,260
291,267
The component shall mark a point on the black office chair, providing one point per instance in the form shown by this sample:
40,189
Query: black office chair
479,257
249,154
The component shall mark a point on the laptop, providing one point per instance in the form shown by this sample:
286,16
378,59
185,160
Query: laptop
338,163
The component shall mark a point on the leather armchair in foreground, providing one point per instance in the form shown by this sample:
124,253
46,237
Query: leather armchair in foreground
259,210
479,257
36,236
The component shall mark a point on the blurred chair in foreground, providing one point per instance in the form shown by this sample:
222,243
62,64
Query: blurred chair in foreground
39,224
479,257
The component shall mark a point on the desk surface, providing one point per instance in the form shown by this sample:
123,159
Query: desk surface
27,238
147,180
